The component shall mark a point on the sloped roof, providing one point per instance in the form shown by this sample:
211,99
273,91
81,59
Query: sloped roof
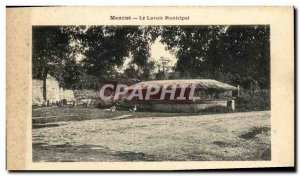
200,83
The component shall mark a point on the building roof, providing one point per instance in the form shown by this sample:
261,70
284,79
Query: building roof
200,83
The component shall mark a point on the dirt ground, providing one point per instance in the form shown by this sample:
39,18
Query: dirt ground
90,134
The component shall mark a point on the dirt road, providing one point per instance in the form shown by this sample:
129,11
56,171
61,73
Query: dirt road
230,136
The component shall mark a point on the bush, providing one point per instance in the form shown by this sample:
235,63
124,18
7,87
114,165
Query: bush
253,101
216,109
104,103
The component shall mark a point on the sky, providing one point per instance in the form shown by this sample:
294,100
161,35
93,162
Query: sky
159,50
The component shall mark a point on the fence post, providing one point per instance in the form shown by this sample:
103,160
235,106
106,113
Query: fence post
233,104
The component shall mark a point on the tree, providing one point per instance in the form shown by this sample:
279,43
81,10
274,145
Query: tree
243,53
236,54
131,72
102,50
49,52
144,73
233,54
190,43
108,46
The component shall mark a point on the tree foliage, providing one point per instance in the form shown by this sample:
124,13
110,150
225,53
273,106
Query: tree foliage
50,48
235,54
81,56
108,46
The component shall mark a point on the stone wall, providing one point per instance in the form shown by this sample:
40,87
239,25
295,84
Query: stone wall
37,92
54,93
52,89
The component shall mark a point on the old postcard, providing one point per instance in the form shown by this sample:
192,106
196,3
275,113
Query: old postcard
150,88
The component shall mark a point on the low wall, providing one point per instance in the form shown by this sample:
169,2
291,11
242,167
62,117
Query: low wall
66,95
188,107
173,107
82,94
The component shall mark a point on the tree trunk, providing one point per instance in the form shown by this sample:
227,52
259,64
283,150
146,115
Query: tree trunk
45,89
45,86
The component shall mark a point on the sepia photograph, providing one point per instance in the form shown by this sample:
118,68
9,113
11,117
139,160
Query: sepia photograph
150,88
116,93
